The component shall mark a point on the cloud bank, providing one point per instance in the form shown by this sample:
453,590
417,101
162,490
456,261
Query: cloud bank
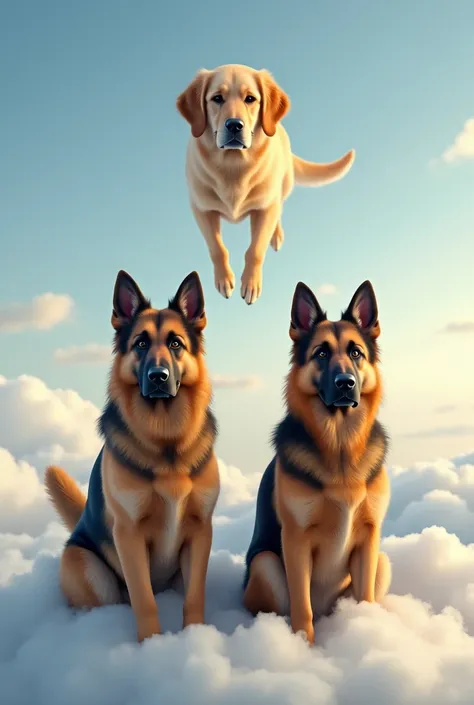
463,145
459,327
88,354
41,313
235,382
417,648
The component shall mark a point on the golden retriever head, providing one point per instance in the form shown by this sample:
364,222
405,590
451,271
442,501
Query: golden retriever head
235,104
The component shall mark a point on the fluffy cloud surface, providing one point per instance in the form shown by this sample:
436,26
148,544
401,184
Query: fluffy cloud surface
42,313
417,648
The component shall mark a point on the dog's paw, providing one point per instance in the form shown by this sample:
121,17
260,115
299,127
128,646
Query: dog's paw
224,279
277,239
252,282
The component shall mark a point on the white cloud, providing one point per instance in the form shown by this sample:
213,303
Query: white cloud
42,425
436,493
90,354
445,408
417,648
42,313
235,382
404,651
458,327
463,145
438,431
326,290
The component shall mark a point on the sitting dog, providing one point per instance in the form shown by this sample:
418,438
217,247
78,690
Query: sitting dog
239,163
324,496
155,483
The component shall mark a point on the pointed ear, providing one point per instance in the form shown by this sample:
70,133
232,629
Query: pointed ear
363,310
305,312
189,300
275,102
192,102
128,300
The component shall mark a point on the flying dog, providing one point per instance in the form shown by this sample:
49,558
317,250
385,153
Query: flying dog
239,163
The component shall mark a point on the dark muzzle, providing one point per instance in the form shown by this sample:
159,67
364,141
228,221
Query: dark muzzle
158,381
340,389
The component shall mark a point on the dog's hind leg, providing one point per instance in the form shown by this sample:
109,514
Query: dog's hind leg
86,580
277,239
267,588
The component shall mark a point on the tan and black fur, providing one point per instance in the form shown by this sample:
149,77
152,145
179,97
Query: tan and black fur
240,164
146,523
324,496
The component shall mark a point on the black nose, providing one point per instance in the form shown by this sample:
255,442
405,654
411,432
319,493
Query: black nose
158,375
234,125
345,382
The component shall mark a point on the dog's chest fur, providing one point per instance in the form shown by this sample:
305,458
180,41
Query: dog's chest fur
165,512
334,505
234,192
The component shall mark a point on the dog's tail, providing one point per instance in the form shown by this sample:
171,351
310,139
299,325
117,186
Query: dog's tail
65,495
319,174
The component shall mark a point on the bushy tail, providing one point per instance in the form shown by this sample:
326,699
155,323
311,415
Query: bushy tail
319,174
65,495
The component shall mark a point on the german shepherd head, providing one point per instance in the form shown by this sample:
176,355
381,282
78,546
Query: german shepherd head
158,379
334,382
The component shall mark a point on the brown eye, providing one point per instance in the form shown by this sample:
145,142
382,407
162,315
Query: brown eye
175,344
141,344
250,99
355,353
322,354
217,99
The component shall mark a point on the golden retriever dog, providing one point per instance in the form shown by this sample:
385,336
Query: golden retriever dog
239,163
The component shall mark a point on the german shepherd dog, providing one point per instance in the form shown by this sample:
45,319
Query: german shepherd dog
324,496
154,486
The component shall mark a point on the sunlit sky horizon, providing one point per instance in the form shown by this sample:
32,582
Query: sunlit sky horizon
93,154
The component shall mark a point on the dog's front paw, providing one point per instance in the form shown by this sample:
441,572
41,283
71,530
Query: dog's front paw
307,632
224,279
252,282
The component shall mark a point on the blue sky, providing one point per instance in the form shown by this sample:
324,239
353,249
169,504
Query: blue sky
93,152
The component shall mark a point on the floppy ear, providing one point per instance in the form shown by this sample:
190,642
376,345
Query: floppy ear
275,102
189,300
363,310
191,103
128,300
305,312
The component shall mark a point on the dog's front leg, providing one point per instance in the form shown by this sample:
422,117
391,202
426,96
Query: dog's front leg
209,223
194,562
298,561
133,554
262,227
364,583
